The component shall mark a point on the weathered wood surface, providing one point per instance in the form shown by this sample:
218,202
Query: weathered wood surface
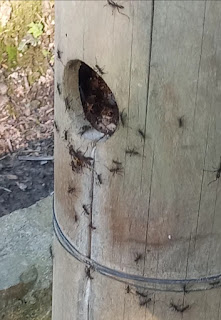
163,63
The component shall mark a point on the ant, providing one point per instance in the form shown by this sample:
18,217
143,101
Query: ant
86,209
128,289
123,117
72,190
132,152
56,126
117,6
88,273
100,70
66,135
145,301
99,178
218,172
79,160
91,226
141,133
117,162
214,283
67,104
181,121
179,308
59,53
84,129
141,294
75,218
59,88
138,257
117,170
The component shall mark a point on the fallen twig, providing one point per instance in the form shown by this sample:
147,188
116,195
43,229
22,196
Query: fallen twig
33,158
5,189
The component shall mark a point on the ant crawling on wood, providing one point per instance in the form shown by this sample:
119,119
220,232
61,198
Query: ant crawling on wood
56,126
132,152
88,273
100,70
59,53
128,289
83,130
91,226
218,173
67,104
85,208
179,308
72,190
66,135
117,6
141,133
59,88
123,117
138,257
145,301
99,178
181,121
117,170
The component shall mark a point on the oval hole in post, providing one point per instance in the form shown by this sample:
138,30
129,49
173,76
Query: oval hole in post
100,115
99,104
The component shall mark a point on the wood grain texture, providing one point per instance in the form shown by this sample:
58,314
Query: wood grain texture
163,63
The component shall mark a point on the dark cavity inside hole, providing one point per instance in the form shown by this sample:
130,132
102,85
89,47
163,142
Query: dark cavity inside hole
99,104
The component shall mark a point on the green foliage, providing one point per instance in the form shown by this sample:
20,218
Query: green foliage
36,29
12,54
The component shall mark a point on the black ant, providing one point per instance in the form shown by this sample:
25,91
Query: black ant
84,129
218,172
99,178
75,218
91,226
86,209
181,121
59,53
72,190
132,152
214,283
145,301
138,257
67,104
56,126
88,273
117,162
141,133
128,289
141,294
66,135
117,6
117,170
123,117
100,70
179,308
59,88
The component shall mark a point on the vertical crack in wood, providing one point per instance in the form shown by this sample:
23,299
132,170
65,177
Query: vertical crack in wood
128,103
93,184
214,212
149,200
199,66
199,205
148,81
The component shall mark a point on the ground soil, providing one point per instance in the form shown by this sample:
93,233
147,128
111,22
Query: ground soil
26,102
24,182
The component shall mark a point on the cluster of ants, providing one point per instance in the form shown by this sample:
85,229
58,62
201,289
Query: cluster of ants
144,300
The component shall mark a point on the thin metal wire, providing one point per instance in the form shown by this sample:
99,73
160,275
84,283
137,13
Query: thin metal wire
172,285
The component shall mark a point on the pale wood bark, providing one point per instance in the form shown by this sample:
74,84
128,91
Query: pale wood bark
163,63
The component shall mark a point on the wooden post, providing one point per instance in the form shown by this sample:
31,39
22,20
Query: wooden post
143,243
